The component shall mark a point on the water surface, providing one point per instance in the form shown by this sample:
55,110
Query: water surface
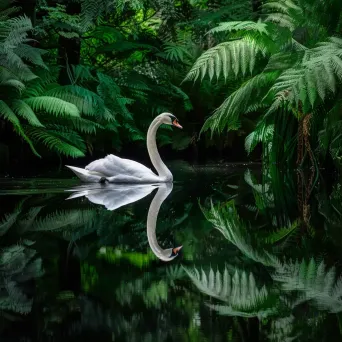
260,258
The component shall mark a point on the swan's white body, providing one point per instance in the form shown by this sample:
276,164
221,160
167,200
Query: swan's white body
115,196
118,170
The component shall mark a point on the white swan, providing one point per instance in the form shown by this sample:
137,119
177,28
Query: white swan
115,196
117,170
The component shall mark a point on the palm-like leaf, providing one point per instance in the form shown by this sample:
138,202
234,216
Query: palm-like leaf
53,105
313,282
226,220
241,26
226,59
17,264
54,141
238,290
58,220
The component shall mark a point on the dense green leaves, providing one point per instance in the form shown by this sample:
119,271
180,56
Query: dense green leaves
303,68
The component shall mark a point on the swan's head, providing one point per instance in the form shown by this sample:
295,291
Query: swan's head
169,119
167,254
175,251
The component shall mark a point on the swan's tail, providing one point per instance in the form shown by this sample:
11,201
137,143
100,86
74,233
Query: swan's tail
87,176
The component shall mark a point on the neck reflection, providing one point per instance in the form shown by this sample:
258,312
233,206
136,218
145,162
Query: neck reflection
114,196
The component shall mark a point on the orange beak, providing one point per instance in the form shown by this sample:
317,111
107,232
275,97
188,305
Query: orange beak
176,123
177,249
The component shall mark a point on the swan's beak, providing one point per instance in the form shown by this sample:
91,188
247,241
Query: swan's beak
176,123
177,249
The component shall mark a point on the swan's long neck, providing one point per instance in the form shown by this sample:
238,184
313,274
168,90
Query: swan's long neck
159,165
163,191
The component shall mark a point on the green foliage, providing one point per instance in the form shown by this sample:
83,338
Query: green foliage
239,291
114,255
18,264
303,69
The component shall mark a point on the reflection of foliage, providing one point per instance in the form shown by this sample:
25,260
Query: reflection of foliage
298,288
268,295
281,330
239,291
17,266
153,291
89,276
313,282
59,308
226,220
10,219
115,255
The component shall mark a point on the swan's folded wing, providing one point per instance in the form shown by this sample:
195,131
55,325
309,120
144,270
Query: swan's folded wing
115,166
114,199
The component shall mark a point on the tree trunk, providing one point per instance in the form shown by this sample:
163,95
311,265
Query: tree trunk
69,50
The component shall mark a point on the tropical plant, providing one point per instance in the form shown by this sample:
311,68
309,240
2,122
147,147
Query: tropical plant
280,59
238,290
18,265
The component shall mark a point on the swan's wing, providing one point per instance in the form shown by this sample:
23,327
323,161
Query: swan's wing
112,166
114,197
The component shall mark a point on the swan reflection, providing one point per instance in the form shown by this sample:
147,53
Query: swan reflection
114,196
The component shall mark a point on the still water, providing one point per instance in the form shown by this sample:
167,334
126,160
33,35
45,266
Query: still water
260,258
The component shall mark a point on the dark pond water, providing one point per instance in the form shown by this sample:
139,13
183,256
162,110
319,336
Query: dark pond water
260,259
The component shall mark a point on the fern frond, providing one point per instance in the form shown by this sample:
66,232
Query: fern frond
7,9
88,102
281,233
184,96
32,54
226,59
14,32
226,220
230,26
314,282
239,291
13,83
54,142
314,79
284,13
7,113
85,126
53,105
262,133
67,135
10,219
63,219
22,109
176,52
227,115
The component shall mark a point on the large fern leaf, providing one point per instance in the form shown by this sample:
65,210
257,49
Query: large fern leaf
226,59
238,290
228,114
225,219
241,26
314,283
24,110
63,219
53,105
7,113
88,102
54,141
